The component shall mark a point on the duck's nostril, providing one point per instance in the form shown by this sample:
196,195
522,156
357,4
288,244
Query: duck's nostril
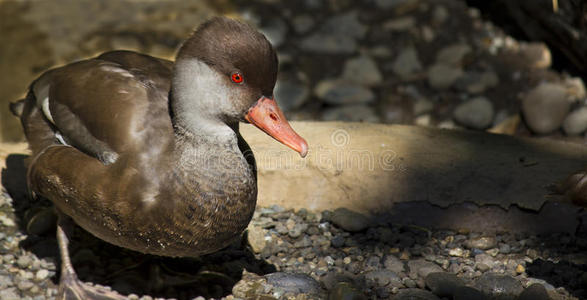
273,117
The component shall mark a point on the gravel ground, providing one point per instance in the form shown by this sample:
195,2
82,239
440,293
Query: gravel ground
302,255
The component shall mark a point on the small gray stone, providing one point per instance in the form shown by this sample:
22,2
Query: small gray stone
406,63
576,122
337,35
291,95
497,285
362,70
302,23
442,76
345,291
400,24
394,264
476,113
439,14
25,285
477,83
545,107
256,238
5,281
468,293
453,55
505,248
350,220
351,113
387,4
415,294
383,278
443,284
484,262
9,294
341,92
535,291
24,261
422,268
275,31
482,242
41,275
294,282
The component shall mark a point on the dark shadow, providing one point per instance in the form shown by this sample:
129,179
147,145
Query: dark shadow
95,261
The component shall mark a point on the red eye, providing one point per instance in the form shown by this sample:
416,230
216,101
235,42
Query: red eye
236,77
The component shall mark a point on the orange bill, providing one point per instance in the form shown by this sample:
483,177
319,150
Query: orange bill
266,115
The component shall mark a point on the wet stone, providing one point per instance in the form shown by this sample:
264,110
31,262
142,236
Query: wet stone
482,243
294,282
412,294
443,284
468,293
383,278
350,220
497,285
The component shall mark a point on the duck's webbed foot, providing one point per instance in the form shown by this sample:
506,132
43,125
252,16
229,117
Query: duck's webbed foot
70,287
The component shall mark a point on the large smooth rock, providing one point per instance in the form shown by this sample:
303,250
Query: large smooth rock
545,107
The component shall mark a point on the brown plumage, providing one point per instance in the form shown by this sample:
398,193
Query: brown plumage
146,154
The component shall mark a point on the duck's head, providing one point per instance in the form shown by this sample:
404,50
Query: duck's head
226,71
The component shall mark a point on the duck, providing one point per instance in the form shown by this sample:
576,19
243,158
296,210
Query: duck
145,153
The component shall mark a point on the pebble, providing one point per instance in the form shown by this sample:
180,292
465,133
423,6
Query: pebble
415,294
349,220
303,23
422,268
400,24
41,275
476,82
535,291
275,32
442,76
290,94
394,264
362,70
294,282
351,113
468,293
545,107
345,291
453,55
9,294
256,238
337,35
6,221
483,243
339,92
406,63
497,285
536,55
24,261
576,122
383,278
443,284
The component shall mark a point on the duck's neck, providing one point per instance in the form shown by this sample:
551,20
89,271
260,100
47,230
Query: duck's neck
199,99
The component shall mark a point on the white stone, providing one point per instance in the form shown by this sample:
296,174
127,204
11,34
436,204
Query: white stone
576,122
545,107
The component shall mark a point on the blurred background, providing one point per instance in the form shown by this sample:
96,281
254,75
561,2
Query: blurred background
442,63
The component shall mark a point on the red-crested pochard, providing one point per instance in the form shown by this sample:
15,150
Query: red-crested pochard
145,153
